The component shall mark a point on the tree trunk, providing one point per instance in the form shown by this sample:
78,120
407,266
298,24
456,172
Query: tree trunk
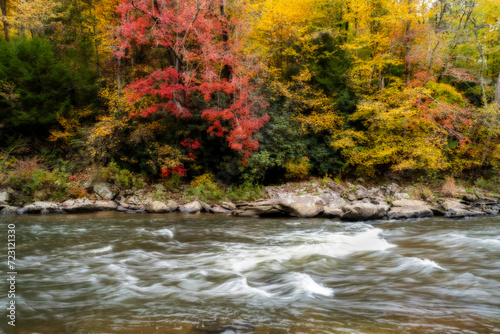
3,8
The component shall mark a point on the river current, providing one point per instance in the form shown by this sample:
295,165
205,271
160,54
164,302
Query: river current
119,273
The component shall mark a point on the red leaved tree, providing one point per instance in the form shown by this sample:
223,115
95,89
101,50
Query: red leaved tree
203,62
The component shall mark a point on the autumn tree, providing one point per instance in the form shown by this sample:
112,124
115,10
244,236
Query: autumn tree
198,69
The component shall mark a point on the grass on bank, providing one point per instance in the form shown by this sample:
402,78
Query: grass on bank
33,180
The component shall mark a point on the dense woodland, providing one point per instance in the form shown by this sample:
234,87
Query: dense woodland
258,91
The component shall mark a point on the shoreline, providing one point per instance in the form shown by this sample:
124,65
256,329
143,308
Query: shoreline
302,200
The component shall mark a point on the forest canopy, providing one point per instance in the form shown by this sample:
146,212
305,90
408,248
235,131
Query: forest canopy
266,89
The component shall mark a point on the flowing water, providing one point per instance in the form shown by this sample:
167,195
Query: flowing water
118,273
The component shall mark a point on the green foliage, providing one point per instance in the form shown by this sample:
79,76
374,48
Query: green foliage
206,189
37,183
245,192
36,87
122,178
298,170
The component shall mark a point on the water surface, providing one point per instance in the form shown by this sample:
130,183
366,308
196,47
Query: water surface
118,273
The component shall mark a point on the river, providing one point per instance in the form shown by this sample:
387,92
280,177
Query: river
173,273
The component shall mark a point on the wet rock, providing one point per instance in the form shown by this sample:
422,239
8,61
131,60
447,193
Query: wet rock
457,209
219,210
105,191
406,208
204,206
359,211
121,209
228,206
157,207
334,208
105,205
172,205
132,206
301,206
42,207
257,208
78,205
192,207
160,207
9,210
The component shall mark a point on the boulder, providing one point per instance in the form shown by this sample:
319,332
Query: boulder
361,192
78,205
401,196
257,208
329,197
105,191
192,207
106,205
157,207
219,210
457,209
5,197
301,206
334,208
42,207
172,205
363,211
406,208
204,206
8,210
228,206
334,186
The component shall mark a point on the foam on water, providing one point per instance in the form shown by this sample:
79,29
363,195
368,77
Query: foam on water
300,245
101,250
165,232
305,283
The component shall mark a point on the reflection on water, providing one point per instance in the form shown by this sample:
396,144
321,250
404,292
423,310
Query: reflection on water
115,273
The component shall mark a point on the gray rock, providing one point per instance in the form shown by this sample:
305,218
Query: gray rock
121,209
192,207
401,196
5,197
361,192
257,208
363,211
329,197
172,205
351,197
133,206
105,191
335,187
406,208
301,206
42,207
457,209
228,206
9,210
106,205
204,206
78,205
469,197
157,207
334,208
219,210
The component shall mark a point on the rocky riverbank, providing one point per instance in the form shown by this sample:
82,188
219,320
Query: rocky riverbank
306,200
